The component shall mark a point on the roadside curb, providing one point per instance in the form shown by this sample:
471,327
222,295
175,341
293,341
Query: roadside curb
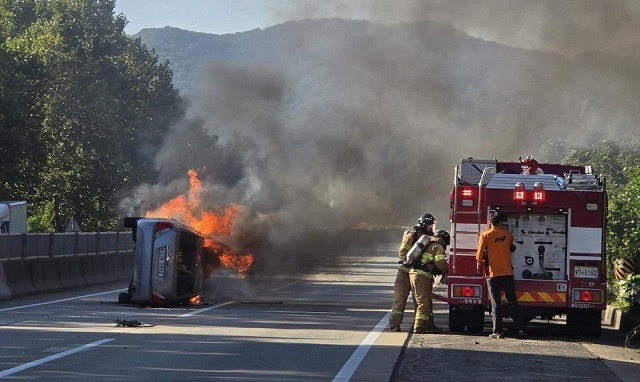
614,318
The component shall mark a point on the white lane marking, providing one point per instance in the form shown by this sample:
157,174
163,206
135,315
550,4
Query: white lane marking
282,287
50,358
56,301
358,355
198,311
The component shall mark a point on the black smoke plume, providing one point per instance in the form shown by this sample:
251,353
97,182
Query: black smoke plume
335,133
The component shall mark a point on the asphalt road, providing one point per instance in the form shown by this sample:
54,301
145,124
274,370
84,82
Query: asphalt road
327,326
551,353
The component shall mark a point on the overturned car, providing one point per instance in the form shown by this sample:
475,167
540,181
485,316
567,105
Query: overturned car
168,263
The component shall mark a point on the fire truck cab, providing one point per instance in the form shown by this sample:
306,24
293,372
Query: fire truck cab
557,218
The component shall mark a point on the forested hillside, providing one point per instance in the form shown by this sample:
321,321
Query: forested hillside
83,109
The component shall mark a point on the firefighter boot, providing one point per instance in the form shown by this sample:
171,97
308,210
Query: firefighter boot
420,327
431,326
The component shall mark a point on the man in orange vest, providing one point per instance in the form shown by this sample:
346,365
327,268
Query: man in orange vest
494,249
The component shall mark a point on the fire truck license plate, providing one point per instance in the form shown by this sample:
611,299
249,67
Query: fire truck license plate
585,272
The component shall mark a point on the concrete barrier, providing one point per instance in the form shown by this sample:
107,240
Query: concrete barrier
5,292
92,269
71,272
18,277
45,274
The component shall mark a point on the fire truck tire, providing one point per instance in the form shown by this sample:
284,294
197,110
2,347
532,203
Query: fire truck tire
585,321
124,298
461,317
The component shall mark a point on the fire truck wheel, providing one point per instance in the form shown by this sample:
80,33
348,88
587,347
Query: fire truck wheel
585,321
461,317
124,298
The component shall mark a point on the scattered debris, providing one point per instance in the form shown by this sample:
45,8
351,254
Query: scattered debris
132,323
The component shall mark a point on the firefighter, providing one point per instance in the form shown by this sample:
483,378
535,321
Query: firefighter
494,249
402,286
432,262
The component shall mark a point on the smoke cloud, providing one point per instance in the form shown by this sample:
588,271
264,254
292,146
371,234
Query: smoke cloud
566,27
327,131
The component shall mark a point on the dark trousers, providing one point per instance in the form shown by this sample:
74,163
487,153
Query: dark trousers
506,284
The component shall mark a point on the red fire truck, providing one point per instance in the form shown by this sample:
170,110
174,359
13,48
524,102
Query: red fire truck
557,217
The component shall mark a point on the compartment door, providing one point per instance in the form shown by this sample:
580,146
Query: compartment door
541,246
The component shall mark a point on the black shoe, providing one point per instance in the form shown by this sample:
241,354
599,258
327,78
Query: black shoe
395,329
496,335
522,335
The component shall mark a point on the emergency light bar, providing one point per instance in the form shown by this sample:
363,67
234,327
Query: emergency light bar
519,192
467,196
537,195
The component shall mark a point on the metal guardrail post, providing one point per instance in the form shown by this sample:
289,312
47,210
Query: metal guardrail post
23,254
51,238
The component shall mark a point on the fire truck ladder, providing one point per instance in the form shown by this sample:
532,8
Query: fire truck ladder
487,173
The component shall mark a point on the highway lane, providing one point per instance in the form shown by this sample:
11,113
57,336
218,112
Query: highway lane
326,326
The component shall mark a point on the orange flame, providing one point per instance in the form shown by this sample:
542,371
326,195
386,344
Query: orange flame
195,300
188,208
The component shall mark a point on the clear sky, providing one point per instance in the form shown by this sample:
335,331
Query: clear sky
208,16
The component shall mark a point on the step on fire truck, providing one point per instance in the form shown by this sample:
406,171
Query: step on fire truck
557,217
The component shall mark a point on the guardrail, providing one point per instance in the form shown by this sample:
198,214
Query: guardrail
49,262
40,245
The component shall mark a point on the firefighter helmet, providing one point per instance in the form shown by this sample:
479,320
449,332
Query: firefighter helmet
444,235
426,220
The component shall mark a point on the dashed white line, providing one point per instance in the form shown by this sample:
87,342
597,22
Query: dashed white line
50,358
358,355
282,287
198,311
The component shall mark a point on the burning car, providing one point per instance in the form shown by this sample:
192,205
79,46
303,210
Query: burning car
168,262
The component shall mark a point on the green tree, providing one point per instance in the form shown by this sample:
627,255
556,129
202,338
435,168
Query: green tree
609,158
619,162
102,104
624,216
